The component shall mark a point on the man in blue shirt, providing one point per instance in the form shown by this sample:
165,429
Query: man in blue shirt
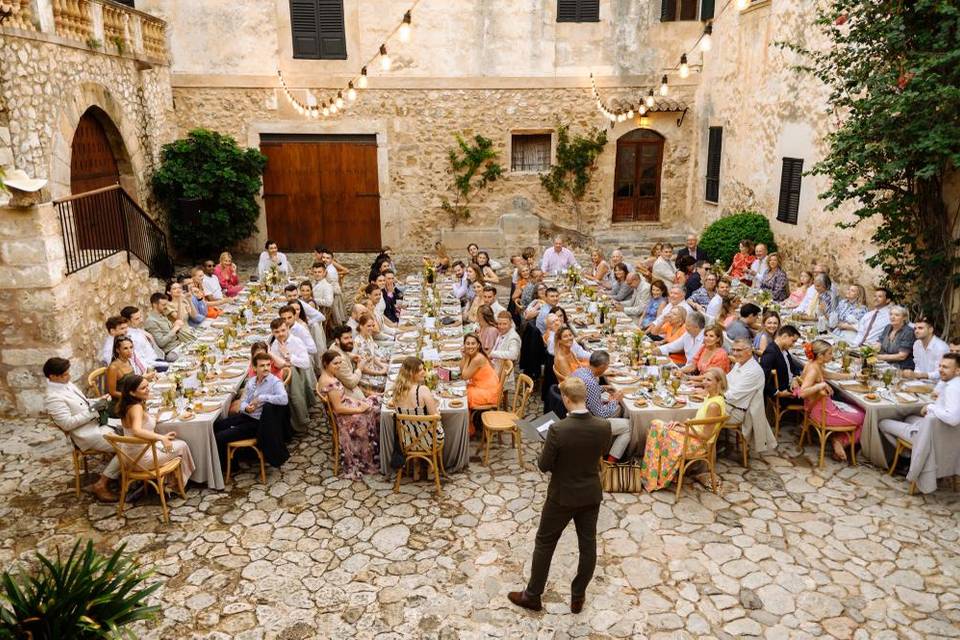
611,409
540,310
263,388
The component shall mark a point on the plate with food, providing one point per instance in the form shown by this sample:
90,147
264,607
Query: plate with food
207,407
871,397
455,404
696,398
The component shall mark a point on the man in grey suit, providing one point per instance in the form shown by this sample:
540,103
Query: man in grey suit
572,452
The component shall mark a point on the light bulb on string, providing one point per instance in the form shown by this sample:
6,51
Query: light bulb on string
333,107
649,101
339,100
326,111
404,30
311,99
742,4
630,114
684,67
643,109
362,80
621,117
351,92
384,58
706,40
663,86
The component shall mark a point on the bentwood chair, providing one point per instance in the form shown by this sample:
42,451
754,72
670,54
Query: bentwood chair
782,405
246,443
97,381
417,440
741,440
904,445
824,431
505,372
700,444
334,429
508,421
139,461
80,460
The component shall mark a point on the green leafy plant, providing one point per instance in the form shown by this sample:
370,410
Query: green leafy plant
119,43
473,166
94,43
208,185
893,71
576,161
3,175
721,240
85,596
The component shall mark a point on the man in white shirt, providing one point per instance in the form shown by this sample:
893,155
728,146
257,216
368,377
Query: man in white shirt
558,259
354,321
116,326
297,330
616,257
637,304
292,292
287,350
692,339
490,299
461,286
271,258
744,396
197,276
818,269
940,419
338,309
144,344
78,417
322,289
873,322
211,284
927,351
674,299
759,267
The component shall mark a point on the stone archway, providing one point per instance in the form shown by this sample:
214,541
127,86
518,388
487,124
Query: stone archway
96,100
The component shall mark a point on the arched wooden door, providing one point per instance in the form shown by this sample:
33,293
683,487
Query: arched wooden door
93,166
636,188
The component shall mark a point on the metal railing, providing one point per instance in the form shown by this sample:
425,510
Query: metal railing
100,223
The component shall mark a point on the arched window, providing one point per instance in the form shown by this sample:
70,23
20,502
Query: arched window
636,187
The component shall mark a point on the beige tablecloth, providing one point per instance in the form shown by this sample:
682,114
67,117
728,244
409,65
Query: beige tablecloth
456,439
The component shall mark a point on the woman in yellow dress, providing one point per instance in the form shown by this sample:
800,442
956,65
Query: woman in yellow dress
661,456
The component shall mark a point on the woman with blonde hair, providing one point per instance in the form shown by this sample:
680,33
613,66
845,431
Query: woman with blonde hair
711,355
226,273
600,267
412,397
798,294
818,400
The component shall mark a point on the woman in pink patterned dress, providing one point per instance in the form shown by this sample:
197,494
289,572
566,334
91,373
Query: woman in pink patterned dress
358,421
818,401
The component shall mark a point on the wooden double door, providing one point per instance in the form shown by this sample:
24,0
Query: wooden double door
636,189
97,219
322,189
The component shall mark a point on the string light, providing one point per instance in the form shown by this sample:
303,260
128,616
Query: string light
326,111
351,92
362,80
684,67
650,100
742,4
339,100
404,31
643,109
706,40
333,107
663,86
384,58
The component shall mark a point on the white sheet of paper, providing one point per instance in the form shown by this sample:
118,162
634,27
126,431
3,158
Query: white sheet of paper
429,322
544,427
431,354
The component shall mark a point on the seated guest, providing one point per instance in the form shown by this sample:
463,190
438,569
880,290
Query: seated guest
553,324
620,291
743,327
310,315
875,321
688,344
896,341
729,310
530,290
473,308
144,344
711,354
674,299
557,259
744,397
687,276
760,267
392,294
485,268
599,267
797,295
183,305
335,271
664,267
164,332
262,347
658,300
928,462
441,259
483,385
78,417
461,286
703,297
651,260
348,372
298,328
823,304
412,397
375,308
116,326
928,350
671,330
322,289
262,389
489,296
590,375
210,283
271,259
776,357
197,301
769,325
742,261
288,352
539,310
637,304
775,280
818,399
226,273
850,309
487,327
365,346
136,422
523,279
666,441
507,346
305,295
198,285
568,354
125,362
358,420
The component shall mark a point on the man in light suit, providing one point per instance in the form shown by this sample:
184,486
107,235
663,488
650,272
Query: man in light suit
572,453
637,304
507,346
349,373
78,417
744,396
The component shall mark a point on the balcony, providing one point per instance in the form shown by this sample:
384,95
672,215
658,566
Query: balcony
98,25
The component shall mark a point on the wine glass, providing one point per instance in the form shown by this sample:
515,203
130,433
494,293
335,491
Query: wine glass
675,385
664,374
201,375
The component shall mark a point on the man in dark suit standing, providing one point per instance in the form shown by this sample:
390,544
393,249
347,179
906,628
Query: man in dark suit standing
776,357
572,453
693,250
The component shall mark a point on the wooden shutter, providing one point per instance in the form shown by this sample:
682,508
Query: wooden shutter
706,9
333,42
578,10
713,164
790,178
688,9
668,10
305,29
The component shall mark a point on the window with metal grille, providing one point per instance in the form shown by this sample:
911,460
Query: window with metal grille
318,31
790,180
578,10
714,146
672,10
530,152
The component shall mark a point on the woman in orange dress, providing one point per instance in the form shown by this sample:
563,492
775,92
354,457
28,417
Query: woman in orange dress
711,355
742,261
673,329
483,385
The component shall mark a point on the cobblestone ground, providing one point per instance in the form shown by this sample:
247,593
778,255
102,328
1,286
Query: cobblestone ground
784,550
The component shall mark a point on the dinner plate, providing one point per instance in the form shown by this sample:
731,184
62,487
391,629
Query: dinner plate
455,404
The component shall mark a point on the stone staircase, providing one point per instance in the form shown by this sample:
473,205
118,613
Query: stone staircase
637,242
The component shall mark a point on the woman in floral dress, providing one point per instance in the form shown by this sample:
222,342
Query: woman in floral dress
661,457
358,421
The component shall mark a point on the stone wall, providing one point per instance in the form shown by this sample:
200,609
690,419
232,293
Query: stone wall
44,313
